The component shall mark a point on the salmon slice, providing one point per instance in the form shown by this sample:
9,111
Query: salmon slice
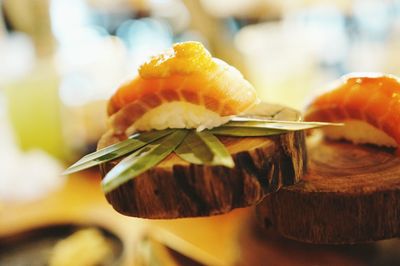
185,73
370,98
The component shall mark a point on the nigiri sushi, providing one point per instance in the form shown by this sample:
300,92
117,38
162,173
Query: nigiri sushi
155,173
368,104
183,87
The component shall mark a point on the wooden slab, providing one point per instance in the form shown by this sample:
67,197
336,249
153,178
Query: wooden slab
177,189
351,194
260,246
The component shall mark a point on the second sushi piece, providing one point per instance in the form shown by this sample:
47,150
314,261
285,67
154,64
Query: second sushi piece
369,106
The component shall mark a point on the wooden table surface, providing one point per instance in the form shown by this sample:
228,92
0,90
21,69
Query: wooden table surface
81,201
224,239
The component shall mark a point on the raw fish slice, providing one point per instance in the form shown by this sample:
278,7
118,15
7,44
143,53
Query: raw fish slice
369,104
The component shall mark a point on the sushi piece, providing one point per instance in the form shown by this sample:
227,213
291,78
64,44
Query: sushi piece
368,104
196,172
183,87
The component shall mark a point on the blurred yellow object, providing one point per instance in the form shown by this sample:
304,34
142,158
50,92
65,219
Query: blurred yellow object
34,110
160,247
215,236
83,248
282,72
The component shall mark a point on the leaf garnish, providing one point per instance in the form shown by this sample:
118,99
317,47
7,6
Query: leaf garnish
193,150
245,131
142,160
203,148
117,150
276,124
150,148
221,156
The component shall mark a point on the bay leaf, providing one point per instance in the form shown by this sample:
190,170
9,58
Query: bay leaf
245,131
276,124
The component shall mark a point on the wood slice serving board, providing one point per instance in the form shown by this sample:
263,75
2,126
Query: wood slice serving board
351,194
176,189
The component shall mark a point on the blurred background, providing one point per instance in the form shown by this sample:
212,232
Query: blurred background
60,60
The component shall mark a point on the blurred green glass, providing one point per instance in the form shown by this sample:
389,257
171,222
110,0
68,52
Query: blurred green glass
35,112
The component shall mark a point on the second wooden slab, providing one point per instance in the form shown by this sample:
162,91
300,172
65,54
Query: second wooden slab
351,194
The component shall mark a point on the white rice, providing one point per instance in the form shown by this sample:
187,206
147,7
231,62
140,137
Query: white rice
360,132
178,115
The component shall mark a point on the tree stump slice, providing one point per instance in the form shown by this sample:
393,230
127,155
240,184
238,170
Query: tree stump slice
351,194
176,188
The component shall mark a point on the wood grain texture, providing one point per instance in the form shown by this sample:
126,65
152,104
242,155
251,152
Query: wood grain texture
351,194
177,189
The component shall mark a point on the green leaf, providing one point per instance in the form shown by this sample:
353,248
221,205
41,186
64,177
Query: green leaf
221,156
142,160
117,150
245,131
194,150
276,124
